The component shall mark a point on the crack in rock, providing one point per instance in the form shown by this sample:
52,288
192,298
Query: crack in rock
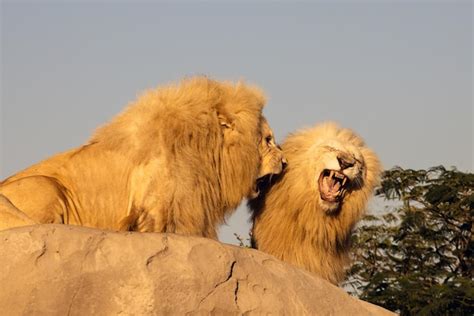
236,295
158,254
229,276
42,252
231,272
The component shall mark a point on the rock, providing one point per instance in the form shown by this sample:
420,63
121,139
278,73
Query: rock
59,270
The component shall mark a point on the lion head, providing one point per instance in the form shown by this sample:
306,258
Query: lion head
250,154
306,215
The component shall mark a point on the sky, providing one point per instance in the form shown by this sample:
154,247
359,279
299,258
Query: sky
400,74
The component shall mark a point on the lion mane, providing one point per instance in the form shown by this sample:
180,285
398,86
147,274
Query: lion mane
306,216
179,159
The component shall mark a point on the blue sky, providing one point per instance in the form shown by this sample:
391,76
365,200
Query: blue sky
398,73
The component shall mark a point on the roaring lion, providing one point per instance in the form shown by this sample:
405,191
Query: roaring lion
179,159
305,216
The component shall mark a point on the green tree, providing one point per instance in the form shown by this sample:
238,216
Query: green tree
417,259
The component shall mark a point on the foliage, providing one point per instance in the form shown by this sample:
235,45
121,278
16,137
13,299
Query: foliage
246,243
418,258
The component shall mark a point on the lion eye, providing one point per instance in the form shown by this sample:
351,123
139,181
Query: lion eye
268,139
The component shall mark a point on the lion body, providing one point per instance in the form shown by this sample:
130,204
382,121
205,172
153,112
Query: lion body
179,160
293,223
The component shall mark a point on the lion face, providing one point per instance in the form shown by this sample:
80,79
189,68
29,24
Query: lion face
339,169
272,160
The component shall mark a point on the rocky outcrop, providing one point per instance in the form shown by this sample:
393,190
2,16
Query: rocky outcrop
68,270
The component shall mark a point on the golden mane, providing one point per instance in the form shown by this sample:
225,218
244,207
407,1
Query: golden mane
294,221
178,159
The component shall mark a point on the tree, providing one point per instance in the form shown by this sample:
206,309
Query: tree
418,258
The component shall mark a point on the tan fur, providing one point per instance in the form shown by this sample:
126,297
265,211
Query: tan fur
178,159
273,160
10,216
292,221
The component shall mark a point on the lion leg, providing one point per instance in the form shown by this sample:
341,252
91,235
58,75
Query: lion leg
192,230
39,198
10,216
157,220
179,217
189,221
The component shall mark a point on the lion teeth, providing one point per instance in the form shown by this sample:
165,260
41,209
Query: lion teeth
344,181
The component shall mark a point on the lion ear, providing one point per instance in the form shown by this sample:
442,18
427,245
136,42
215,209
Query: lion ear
224,121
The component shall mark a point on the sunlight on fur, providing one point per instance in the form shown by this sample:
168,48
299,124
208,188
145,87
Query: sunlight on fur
179,159
305,217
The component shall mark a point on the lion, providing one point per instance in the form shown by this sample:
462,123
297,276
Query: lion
305,216
10,216
179,159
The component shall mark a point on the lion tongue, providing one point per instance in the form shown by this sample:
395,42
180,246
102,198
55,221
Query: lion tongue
331,186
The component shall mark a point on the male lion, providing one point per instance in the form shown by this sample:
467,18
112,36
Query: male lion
305,217
179,159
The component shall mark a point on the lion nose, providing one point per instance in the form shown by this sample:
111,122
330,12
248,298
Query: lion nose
345,162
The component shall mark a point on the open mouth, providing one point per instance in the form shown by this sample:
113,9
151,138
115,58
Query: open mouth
332,185
256,188
260,185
